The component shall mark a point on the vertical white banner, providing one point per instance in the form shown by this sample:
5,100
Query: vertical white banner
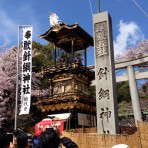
26,70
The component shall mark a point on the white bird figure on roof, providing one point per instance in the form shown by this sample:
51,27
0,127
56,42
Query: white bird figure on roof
54,20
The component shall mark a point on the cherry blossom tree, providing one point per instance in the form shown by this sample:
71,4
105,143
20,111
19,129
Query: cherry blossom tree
7,82
8,76
134,52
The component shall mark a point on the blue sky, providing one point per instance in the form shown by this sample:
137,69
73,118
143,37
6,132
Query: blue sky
129,23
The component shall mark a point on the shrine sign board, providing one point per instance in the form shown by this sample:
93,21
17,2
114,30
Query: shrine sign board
106,100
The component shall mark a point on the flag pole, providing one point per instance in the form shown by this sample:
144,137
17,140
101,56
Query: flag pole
17,80
99,6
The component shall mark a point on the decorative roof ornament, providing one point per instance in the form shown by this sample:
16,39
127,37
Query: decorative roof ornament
62,35
54,20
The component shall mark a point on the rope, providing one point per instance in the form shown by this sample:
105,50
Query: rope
140,8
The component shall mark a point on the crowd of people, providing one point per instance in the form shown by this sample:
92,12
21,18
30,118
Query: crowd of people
50,138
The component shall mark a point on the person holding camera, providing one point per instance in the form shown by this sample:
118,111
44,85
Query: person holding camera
20,140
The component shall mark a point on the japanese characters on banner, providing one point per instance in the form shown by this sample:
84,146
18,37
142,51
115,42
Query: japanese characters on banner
26,70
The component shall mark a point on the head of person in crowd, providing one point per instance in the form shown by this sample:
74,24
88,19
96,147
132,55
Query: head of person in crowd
20,139
49,138
4,141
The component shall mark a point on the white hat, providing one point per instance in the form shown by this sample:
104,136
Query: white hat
121,146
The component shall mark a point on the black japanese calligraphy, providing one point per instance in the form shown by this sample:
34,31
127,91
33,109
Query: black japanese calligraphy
26,67
103,94
26,78
25,103
105,114
26,89
102,73
25,98
28,34
27,45
25,108
26,56
106,132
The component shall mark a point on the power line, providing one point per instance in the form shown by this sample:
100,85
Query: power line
90,7
140,8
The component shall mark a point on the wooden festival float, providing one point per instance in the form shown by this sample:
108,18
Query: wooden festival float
69,77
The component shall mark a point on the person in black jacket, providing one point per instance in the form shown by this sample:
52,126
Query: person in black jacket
67,142
20,140
4,140
50,138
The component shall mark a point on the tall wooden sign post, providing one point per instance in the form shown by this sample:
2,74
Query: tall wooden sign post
106,101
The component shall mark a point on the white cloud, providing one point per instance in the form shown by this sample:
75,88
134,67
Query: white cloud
8,28
9,22
129,35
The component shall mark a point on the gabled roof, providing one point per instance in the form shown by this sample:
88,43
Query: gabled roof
63,35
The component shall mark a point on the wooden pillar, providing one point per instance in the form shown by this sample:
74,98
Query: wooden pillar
85,57
54,57
72,50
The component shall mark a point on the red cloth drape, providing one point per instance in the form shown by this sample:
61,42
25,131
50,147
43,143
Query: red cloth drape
42,125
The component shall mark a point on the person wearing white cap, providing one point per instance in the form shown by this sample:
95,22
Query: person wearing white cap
121,146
